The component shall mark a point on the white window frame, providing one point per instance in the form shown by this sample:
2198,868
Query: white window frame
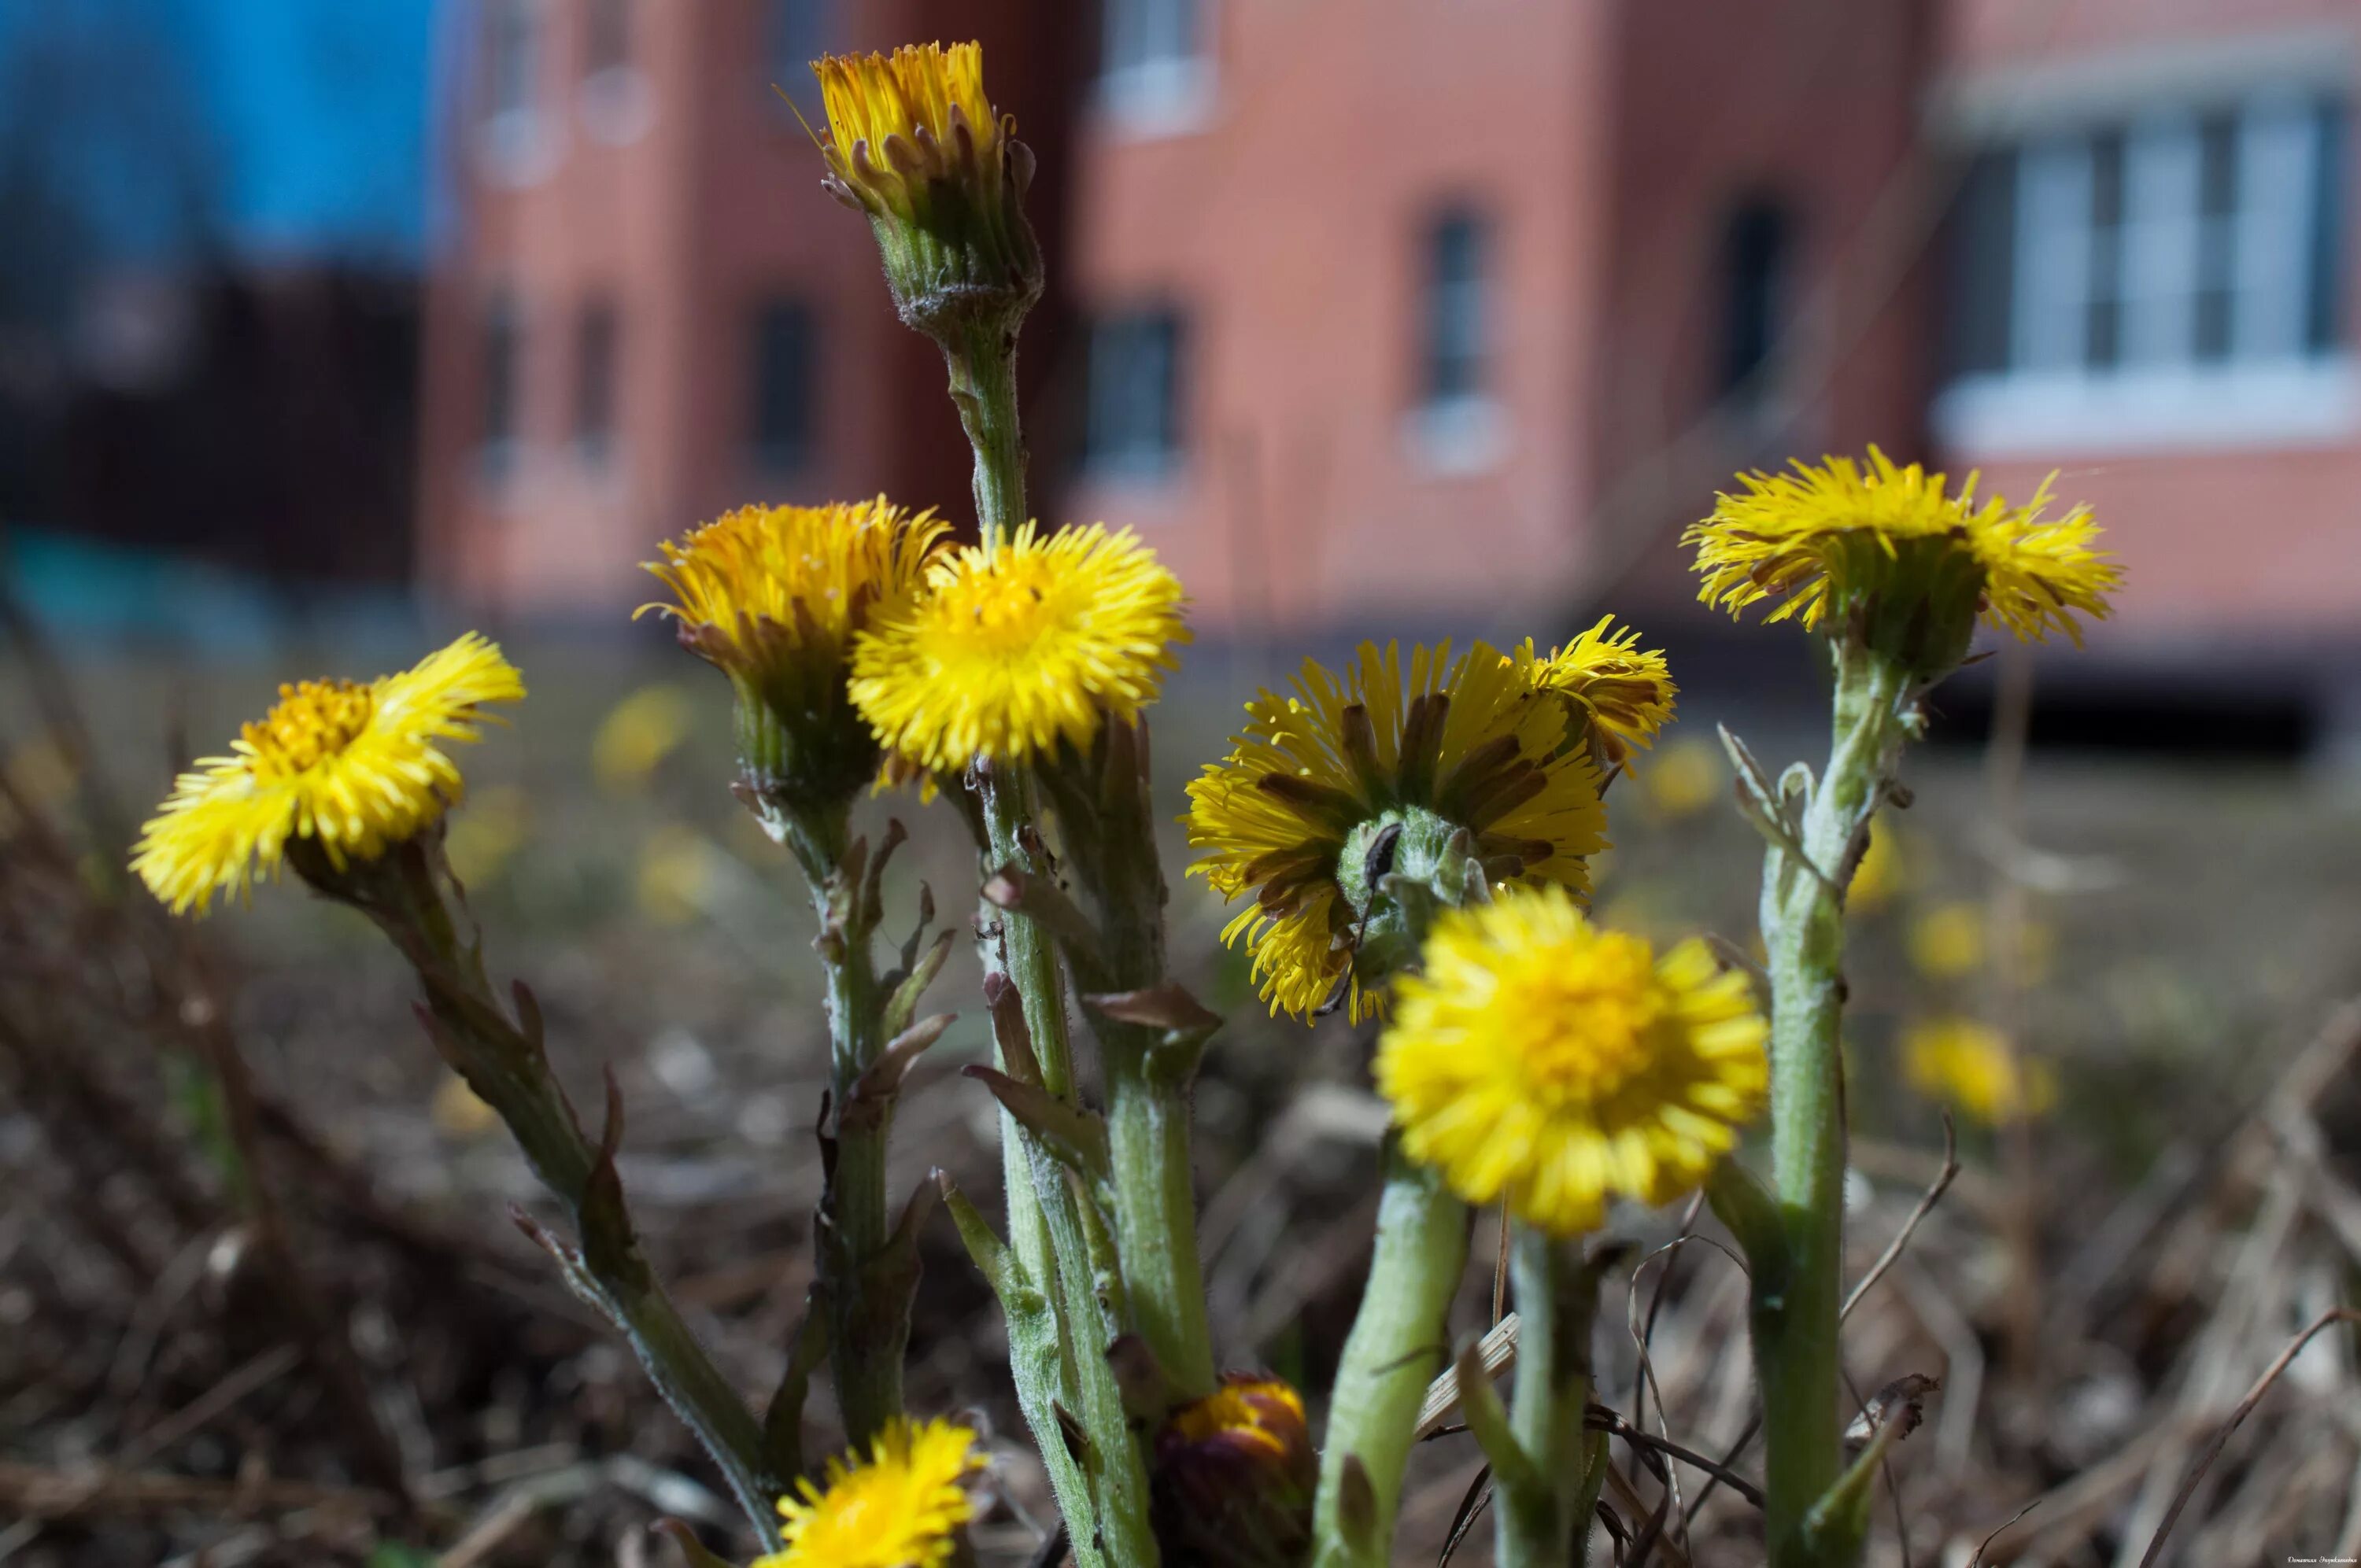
1163,90
2270,386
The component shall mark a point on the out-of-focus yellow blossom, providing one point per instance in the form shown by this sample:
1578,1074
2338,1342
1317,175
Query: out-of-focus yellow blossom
351,768
680,873
1881,873
1540,1059
40,774
459,1112
637,735
1473,741
1005,654
481,840
900,1506
1968,1065
1684,778
1947,942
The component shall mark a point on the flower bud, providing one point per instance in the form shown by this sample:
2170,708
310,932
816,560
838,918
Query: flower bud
913,143
1233,1478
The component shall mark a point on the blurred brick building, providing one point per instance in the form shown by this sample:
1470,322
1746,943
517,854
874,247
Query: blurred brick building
1439,312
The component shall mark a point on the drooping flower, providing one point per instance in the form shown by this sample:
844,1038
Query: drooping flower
1846,538
773,597
353,768
1474,741
913,142
1969,1065
1233,1476
1543,1059
1624,693
1004,655
900,1506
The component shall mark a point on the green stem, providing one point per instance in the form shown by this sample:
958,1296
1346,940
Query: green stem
505,1064
1394,1351
1156,1219
1797,1304
1045,1226
1536,1527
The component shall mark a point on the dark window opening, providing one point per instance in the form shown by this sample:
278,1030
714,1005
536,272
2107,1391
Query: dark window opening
1132,423
797,33
503,350
597,343
1757,249
1455,325
609,43
785,365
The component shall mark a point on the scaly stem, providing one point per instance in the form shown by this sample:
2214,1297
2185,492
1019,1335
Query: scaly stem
504,1061
1796,1303
1394,1351
1399,1338
1045,1226
1536,1525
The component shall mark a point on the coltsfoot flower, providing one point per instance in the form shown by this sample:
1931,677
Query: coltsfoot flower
1233,1477
773,596
352,768
1969,1065
1543,1059
913,142
1003,656
1893,546
1623,692
1474,743
901,1506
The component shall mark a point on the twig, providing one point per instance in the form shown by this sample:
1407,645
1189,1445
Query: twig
1934,1195
2237,1418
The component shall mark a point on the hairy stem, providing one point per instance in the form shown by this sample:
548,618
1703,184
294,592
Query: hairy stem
1796,1304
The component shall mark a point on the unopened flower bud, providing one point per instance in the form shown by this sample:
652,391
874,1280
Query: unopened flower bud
1233,1478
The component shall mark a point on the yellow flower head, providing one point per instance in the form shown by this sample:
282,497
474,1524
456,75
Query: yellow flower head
352,768
913,142
1004,655
1623,692
1838,538
775,595
1475,741
900,1508
1539,1059
1969,1065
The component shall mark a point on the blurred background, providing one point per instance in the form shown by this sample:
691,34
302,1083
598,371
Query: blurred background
328,327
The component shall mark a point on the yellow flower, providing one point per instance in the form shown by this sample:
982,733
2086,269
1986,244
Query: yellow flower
1969,1064
773,596
899,1507
1687,776
1625,692
352,768
637,735
913,143
926,97
1474,741
1539,1059
1003,656
1233,1476
1833,537
1880,873
1947,942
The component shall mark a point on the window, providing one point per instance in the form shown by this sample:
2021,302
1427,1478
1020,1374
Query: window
2168,277
608,46
1455,312
1132,424
596,345
797,33
511,49
786,363
1755,248
1152,70
504,355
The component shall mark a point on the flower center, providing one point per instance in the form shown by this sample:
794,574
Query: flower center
311,723
1588,1029
1007,608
